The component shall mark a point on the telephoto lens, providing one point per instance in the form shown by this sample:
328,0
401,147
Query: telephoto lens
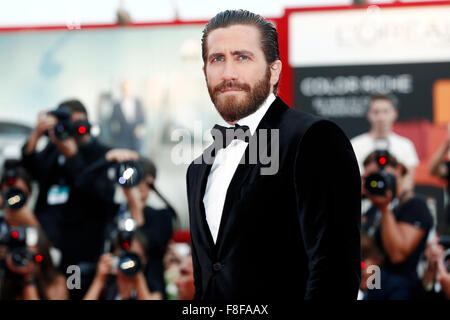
21,257
63,128
129,263
15,198
18,241
378,183
129,174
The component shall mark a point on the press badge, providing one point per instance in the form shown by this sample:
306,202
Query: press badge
57,195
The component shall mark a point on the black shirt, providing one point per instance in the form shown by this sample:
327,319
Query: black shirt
158,229
448,177
86,213
415,212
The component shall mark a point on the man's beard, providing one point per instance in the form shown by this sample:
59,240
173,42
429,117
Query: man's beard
232,108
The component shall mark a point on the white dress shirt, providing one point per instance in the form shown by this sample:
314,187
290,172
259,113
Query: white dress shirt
224,166
128,107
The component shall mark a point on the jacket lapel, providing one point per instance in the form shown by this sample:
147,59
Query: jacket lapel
242,173
204,169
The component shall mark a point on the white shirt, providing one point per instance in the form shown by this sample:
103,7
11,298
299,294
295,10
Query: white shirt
128,107
224,166
400,147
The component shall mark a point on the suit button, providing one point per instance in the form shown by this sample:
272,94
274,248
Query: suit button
217,266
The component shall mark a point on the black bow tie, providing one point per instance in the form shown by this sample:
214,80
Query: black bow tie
223,135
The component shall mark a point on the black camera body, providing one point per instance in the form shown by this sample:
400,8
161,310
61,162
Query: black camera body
128,174
14,198
127,262
378,183
17,240
65,128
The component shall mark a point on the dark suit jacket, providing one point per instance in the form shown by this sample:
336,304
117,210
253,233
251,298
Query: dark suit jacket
294,234
122,131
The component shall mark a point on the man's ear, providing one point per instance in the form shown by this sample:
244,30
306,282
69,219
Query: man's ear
396,114
275,71
204,70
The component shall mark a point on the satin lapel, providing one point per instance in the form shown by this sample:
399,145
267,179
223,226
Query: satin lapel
204,169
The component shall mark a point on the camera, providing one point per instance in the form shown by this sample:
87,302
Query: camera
126,261
66,128
444,241
127,174
17,240
378,183
14,198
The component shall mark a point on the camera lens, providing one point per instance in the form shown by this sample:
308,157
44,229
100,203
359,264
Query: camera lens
15,198
129,174
129,263
21,257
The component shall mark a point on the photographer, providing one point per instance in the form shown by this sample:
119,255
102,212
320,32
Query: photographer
438,267
15,187
72,213
155,224
157,227
128,283
27,271
399,222
57,167
440,167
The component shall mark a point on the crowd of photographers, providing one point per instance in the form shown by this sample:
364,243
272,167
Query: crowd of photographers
403,257
76,242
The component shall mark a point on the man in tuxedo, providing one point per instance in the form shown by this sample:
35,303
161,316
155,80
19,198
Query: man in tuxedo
263,235
127,122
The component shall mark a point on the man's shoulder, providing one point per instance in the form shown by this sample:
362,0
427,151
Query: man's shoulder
362,138
398,139
293,116
294,122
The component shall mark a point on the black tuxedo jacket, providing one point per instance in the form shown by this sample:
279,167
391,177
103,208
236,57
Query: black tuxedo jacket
291,235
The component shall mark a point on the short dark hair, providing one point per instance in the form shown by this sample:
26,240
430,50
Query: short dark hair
391,160
19,171
147,166
269,35
73,106
379,96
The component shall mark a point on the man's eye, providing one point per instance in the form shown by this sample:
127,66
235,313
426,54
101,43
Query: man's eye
217,59
243,58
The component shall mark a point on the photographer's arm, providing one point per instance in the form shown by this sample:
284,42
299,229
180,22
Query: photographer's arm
103,270
399,238
44,123
28,273
135,205
30,292
437,166
142,290
443,277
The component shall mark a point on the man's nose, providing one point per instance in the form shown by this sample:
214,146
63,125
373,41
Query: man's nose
229,71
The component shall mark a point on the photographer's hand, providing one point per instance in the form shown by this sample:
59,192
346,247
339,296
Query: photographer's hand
103,270
135,204
68,147
142,290
442,275
21,217
29,291
382,203
121,155
45,122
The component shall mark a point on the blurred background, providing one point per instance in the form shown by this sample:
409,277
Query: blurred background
335,54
